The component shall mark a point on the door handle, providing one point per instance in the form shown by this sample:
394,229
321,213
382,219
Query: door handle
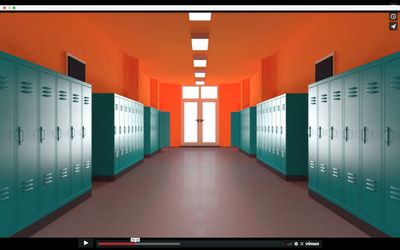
309,131
58,133
346,133
20,135
364,135
115,130
42,134
331,133
276,131
268,129
72,132
119,129
83,132
281,130
319,132
387,136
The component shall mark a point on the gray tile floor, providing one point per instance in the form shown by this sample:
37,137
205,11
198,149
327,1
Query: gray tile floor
200,192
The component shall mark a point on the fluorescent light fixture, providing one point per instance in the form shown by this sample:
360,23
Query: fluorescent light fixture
199,74
200,16
200,62
199,43
199,82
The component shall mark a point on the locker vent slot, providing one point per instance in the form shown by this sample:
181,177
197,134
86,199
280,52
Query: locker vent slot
371,185
313,100
75,98
372,88
26,87
4,82
4,194
116,106
352,92
283,106
28,185
87,164
312,164
86,100
351,178
47,92
337,95
47,178
279,107
324,98
336,172
394,82
394,193
323,168
76,168
62,95
63,173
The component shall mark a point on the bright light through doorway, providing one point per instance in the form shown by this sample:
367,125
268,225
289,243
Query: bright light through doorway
199,16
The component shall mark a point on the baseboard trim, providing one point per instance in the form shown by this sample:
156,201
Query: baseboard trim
41,223
282,176
249,155
117,176
150,155
354,220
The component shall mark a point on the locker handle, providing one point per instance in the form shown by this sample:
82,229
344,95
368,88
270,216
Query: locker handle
119,129
364,135
309,131
124,129
72,132
387,137
20,135
83,132
331,132
281,130
268,129
58,133
42,134
272,129
319,131
115,130
346,133
276,131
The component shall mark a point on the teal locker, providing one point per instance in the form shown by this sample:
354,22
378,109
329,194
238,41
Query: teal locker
336,139
164,125
47,140
313,137
352,141
371,144
235,129
267,152
63,139
126,134
76,137
117,126
27,144
323,138
266,142
283,132
258,130
248,141
392,145
142,131
132,156
135,129
273,137
122,134
87,136
7,139
278,131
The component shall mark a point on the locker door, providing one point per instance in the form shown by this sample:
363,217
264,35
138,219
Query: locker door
264,132
278,135
122,134
63,139
312,136
258,131
283,132
47,140
117,133
371,143
76,137
7,144
142,131
392,145
323,138
352,140
27,146
131,133
87,136
269,134
126,135
336,140
272,119
135,126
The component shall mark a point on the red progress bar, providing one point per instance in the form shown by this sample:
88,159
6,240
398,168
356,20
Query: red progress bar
114,243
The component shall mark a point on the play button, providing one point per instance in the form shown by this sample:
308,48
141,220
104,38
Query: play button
85,243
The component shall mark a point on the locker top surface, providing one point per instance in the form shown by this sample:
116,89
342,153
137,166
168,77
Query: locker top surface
120,96
41,68
280,96
357,69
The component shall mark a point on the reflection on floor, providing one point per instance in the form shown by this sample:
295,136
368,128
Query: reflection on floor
200,192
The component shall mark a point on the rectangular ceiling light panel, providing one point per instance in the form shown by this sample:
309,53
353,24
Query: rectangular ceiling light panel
200,16
199,74
199,43
200,62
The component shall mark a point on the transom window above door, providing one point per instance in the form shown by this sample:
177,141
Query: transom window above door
199,92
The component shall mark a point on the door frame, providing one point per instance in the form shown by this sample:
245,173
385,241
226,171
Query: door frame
200,111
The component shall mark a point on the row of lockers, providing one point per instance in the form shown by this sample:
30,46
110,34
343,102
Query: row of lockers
45,142
354,142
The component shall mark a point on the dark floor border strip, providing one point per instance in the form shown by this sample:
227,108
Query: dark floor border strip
41,223
150,155
354,220
249,155
117,176
283,176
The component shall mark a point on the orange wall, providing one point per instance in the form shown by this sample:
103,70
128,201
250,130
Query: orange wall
268,76
255,87
144,89
45,38
170,100
229,101
154,93
131,77
245,93
356,38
